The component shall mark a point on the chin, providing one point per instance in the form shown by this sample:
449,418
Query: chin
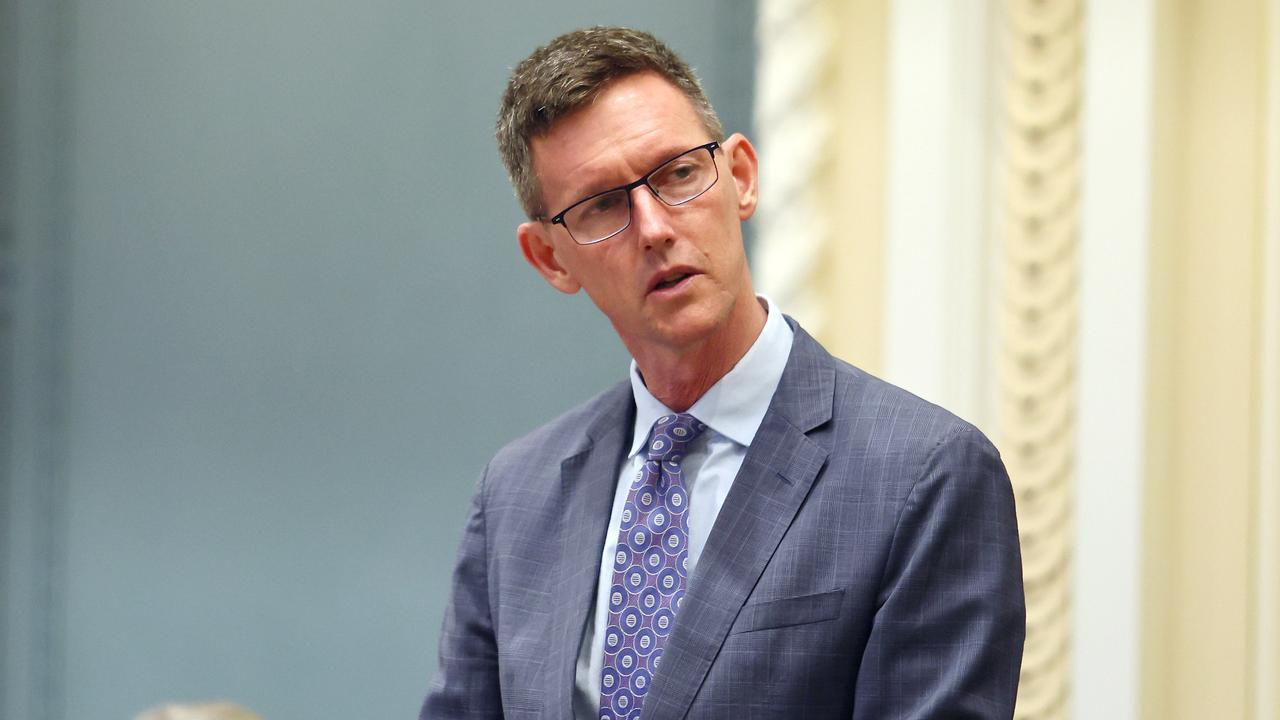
693,327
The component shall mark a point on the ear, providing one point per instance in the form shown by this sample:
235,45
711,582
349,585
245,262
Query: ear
744,168
539,251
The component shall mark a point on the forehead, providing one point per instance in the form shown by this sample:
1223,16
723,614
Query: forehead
635,122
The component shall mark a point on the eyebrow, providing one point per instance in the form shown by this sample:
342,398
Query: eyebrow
669,152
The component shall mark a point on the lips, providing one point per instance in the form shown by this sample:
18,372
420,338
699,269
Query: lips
670,278
671,281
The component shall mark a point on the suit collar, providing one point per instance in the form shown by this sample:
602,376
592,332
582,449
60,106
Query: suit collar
588,474
779,469
806,393
804,396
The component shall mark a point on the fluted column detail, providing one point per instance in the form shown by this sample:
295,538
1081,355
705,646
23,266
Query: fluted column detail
1039,178
794,127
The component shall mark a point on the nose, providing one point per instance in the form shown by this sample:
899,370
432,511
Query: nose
651,218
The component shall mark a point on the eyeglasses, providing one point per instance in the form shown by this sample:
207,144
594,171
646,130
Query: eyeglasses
674,182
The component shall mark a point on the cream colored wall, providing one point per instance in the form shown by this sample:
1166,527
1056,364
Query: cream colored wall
1267,568
1177,538
821,127
854,271
1205,376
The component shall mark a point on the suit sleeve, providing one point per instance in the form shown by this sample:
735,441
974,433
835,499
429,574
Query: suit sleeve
947,638
466,683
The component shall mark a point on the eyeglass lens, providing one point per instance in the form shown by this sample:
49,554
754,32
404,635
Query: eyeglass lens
675,182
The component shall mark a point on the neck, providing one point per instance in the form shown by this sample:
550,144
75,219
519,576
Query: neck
678,377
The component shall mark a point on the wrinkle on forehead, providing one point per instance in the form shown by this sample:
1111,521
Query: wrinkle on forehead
628,129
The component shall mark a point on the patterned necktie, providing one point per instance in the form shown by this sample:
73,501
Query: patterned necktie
649,570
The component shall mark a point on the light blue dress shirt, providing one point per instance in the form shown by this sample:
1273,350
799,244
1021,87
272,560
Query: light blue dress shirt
732,410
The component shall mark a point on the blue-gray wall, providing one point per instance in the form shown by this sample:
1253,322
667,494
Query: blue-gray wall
262,321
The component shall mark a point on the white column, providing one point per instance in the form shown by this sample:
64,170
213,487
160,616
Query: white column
936,257
1116,124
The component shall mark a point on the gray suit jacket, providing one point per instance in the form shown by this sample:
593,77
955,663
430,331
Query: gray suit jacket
865,564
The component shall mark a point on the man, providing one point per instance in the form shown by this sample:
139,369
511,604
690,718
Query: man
749,527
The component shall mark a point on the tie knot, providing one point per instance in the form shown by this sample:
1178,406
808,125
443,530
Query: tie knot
671,434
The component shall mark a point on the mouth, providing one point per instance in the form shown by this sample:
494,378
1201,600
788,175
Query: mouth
669,279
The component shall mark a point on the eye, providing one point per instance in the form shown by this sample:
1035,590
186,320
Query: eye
682,170
601,205
678,176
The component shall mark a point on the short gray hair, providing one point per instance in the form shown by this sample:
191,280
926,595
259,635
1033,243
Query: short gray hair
568,73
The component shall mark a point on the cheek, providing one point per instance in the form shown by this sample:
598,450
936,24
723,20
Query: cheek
600,269
576,259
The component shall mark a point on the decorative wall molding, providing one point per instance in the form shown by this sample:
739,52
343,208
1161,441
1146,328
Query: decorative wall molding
794,124
822,125
1039,191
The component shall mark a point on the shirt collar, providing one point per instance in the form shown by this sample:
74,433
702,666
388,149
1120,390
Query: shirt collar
735,406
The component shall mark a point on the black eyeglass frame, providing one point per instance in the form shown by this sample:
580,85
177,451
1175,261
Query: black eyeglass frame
711,147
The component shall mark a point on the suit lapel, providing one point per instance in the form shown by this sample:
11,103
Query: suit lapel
777,472
588,477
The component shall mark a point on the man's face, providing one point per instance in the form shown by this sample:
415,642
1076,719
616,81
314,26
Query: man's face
636,123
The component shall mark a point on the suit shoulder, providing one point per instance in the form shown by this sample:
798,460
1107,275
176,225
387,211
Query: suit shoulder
894,418
908,444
